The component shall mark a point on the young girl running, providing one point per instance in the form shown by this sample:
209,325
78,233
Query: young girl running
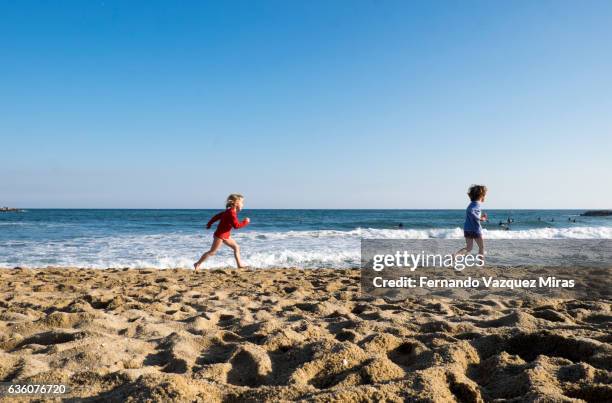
228,220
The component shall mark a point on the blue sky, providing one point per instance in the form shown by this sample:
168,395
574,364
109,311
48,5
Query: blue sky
305,104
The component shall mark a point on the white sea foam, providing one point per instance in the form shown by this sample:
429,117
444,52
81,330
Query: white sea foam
554,233
445,233
312,249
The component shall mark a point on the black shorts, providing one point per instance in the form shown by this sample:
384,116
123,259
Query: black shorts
472,234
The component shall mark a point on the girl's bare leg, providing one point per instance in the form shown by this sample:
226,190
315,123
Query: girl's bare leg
213,249
232,244
469,244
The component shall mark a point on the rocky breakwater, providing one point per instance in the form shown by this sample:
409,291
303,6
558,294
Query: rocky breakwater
9,209
597,213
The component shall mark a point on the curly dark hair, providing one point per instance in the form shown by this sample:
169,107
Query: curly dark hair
477,192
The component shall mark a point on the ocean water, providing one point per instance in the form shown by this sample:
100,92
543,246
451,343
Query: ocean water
303,238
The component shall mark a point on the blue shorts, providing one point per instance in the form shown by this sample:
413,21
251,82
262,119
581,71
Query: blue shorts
472,234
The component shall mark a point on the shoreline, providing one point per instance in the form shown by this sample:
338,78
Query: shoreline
291,333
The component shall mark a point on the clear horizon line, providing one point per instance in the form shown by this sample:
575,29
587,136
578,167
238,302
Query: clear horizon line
294,208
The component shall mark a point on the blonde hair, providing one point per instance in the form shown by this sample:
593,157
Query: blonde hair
232,199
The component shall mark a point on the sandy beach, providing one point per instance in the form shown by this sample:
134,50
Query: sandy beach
291,334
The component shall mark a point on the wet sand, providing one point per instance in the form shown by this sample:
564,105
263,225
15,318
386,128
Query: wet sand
292,334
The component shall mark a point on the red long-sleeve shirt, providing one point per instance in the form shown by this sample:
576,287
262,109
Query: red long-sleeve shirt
229,220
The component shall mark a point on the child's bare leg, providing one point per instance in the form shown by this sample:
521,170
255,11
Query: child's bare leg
232,244
480,243
213,249
469,244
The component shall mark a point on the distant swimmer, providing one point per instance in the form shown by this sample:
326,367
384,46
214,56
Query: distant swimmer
400,225
539,218
552,220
